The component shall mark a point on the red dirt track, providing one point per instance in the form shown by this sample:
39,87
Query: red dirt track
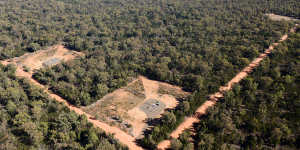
128,140
188,122
123,137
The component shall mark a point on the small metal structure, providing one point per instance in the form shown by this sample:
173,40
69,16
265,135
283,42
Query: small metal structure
51,62
152,107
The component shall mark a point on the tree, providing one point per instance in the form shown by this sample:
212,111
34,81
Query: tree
33,47
189,146
3,137
102,89
276,136
21,118
169,118
185,137
185,106
176,144
11,107
266,82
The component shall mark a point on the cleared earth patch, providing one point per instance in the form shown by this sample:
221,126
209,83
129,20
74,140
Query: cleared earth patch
43,58
275,17
152,107
129,107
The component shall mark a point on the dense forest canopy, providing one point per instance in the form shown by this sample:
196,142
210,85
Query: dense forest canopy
91,24
262,112
196,44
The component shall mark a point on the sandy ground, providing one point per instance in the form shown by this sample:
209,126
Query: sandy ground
113,103
121,103
188,122
275,17
151,92
138,121
116,93
151,88
126,105
138,115
169,101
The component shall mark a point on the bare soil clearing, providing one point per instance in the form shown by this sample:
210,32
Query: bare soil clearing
122,106
129,107
42,58
118,134
275,17
189,121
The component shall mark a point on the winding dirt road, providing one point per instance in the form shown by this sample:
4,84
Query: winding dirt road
123,137
188,122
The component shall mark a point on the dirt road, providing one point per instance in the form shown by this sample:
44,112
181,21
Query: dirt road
123,137
188,122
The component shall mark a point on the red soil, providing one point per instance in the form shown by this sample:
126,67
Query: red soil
188,122
118,134
123,137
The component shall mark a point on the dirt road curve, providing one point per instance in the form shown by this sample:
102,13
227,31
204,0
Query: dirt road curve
188,122
123,137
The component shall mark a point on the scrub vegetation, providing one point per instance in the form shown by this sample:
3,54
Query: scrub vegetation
195,44
262,112
30,120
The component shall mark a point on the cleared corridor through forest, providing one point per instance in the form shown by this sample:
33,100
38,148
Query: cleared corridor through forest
189,121
129,140
123,137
